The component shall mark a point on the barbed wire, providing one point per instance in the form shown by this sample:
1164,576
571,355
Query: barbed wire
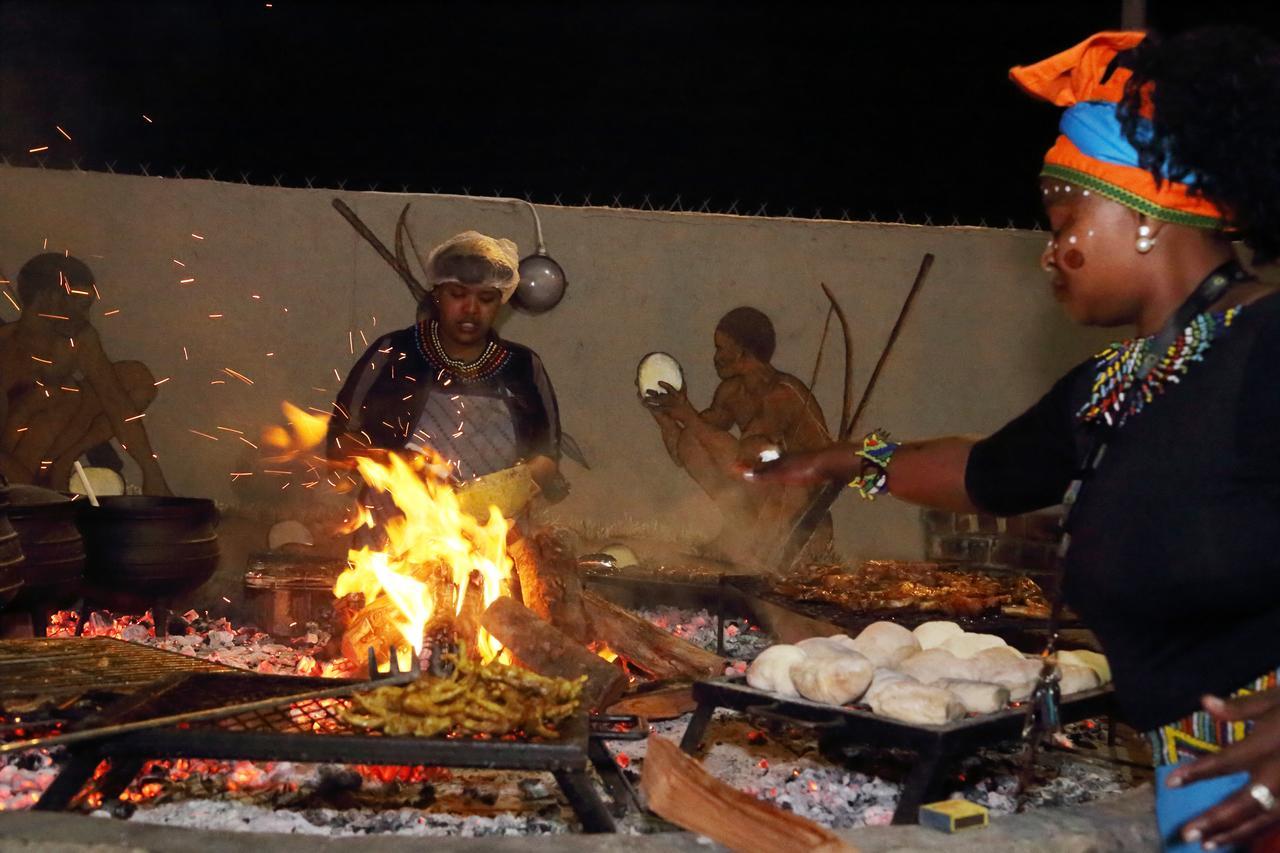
617,201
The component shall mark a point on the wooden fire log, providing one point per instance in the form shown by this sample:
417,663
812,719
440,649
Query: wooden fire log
681,790
550,585
542,648
645,645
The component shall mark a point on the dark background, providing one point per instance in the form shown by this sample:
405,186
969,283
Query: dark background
852,108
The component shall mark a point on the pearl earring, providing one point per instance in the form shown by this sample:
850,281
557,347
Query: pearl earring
1145,241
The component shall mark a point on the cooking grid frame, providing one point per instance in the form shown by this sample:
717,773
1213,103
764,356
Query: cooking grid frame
277,734
843,726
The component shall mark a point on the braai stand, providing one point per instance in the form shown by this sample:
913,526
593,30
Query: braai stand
313,731
842,727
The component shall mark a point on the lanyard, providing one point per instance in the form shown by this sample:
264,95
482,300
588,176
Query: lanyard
1042,715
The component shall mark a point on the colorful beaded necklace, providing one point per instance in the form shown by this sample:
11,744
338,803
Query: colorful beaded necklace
491,361
1114,398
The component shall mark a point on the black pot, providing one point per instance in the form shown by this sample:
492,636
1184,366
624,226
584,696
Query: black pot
10,552
148,549
54,552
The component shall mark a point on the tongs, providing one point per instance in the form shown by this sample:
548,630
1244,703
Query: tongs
376,679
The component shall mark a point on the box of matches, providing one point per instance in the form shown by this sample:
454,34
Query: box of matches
953,815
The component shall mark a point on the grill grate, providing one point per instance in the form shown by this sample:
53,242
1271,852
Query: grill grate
66,666
312,730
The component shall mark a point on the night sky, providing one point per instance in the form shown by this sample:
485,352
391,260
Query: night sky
844,108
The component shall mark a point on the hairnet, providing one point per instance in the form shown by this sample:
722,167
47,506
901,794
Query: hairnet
473,259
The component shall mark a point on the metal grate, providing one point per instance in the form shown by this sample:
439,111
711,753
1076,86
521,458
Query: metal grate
66,666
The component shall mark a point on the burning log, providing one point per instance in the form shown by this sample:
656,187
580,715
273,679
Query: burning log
679,789
549,581
647,646
547,651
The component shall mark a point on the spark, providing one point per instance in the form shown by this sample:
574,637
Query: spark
341,411
185,280
185,357
197,236
53,316
37,150
41,360
215,316
148,118
96,294
178,262
247,441
363,338
351,343
162,381
110,313
218,382
282,488
385,351
204,434
337,375
22,429
75,292
276,471
245,379
63,132
46,246
227,600
135,417
69,388
73,342
270,354
321,390
406,397
254,296
11,301
231,429
238,474
375,319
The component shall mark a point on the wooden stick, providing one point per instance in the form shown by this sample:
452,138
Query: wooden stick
540,647
416,289
679,789
793,546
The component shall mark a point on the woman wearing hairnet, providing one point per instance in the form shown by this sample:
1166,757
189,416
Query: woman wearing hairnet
449,383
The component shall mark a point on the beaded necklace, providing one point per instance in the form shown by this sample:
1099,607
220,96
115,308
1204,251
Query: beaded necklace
1114,398
493,359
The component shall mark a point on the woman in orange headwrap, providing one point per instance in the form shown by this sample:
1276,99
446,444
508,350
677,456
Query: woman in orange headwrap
1169,152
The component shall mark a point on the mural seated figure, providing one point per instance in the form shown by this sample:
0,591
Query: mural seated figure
60,394
769,409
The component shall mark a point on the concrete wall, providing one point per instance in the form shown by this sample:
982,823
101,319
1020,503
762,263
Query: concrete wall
984,341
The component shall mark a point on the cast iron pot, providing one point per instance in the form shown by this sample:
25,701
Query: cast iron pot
148,549
10,551
53,548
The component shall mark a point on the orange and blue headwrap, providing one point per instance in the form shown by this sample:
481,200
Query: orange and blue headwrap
1093,151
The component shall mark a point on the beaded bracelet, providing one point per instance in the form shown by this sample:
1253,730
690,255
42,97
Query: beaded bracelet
876,453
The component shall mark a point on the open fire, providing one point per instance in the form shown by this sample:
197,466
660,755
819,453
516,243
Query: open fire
434,568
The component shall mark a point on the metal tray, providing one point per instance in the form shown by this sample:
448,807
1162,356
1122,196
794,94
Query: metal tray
843,726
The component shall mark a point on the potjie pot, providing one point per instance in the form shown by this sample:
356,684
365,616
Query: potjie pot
149,549
11,558
54,550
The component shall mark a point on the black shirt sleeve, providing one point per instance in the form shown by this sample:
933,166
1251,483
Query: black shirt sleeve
1027,464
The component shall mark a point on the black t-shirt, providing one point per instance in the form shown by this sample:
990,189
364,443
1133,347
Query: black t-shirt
1175,553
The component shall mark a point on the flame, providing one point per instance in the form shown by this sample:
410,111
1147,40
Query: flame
433,540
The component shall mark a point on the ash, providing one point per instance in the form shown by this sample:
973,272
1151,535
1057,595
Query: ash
742,640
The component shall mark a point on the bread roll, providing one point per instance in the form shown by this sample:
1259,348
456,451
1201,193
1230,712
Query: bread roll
921,704
967,645
1093,660
772,669
881,679
933,665
836,680
1076,678
930,635
886,643
978,697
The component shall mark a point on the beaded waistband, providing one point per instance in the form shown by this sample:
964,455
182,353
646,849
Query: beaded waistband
1200,734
